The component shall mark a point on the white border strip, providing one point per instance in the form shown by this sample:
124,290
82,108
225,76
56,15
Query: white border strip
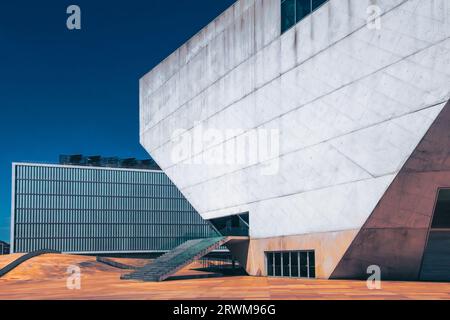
13,207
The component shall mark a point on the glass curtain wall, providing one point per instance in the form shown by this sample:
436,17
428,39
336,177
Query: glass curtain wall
73,209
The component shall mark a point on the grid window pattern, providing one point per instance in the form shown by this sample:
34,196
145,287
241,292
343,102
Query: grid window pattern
73,209
293,264
293,11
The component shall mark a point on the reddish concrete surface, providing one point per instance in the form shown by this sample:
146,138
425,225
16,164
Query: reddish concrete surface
45,277
395,235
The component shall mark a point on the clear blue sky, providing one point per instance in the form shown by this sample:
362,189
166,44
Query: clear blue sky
68,92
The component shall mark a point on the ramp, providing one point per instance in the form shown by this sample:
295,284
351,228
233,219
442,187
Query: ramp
180,257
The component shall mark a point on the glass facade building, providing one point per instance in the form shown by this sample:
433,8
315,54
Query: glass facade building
77,209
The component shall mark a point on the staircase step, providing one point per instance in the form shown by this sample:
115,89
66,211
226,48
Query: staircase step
172,261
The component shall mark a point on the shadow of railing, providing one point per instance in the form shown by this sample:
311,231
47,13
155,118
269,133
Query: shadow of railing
116,264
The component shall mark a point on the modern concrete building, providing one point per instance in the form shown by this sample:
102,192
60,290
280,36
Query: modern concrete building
99,210
348,104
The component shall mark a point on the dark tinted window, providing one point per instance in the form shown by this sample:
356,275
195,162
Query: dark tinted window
441,219
291,264
286,264
270,264
311,258
317,3
236,225
312,264
312,272
278,264
293,11
294,264
303,8
303,264
287,14
303,258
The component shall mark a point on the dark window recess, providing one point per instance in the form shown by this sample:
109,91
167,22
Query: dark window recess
316,4
303,264
286,264
293,11
294,264
311,265
441,219
303,9
277,264
270,264
436,258
237,225
287,14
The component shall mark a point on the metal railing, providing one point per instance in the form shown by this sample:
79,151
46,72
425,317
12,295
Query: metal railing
11,266
173,261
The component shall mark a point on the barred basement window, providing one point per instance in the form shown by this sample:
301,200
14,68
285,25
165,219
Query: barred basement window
292,264
293,11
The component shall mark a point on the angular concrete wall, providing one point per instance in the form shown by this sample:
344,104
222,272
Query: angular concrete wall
395,235
329,248
351,104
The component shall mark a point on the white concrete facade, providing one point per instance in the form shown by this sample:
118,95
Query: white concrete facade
350,102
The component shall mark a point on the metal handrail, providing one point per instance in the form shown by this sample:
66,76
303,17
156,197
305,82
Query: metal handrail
11,266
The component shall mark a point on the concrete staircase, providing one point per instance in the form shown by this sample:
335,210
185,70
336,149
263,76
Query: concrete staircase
180,257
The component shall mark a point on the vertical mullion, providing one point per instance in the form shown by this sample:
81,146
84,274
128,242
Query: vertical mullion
307,264
273,264
282,264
